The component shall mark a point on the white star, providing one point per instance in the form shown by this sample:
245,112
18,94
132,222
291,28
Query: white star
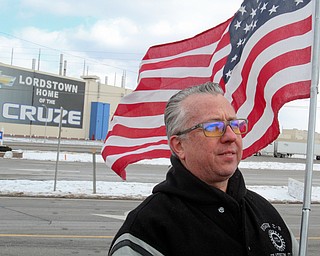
237,25
259,6
229,73
298,1
253,13
247,28
273,9
234,58
239,43
253,26
242,10
264,7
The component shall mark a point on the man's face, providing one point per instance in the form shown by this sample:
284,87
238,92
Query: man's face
211,159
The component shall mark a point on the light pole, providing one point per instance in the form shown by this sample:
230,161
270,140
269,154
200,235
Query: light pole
45,126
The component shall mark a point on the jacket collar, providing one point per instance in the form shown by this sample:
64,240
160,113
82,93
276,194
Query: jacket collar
182,183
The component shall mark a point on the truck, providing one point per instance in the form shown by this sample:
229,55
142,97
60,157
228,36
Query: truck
281,148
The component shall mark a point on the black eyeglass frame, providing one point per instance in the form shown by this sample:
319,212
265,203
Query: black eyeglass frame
226,123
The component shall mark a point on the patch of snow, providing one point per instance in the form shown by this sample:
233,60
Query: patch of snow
133,190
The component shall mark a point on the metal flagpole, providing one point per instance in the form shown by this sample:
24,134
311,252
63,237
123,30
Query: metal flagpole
311,135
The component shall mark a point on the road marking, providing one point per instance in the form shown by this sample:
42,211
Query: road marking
118,217
45,170
54,236
33,170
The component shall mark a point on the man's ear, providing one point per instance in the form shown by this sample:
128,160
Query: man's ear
176,145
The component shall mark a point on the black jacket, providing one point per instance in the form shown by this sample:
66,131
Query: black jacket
185,216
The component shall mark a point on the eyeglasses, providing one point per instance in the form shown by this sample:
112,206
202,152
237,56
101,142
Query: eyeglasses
218,128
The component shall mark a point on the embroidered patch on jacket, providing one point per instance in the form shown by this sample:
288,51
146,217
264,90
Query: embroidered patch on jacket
274,233
277,240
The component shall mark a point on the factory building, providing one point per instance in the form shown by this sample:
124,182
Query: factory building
36,104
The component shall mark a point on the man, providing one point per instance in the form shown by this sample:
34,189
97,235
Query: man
203,206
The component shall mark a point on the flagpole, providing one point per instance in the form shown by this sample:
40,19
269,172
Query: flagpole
311,136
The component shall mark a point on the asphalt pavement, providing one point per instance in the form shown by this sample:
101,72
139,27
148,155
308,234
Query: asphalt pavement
58,226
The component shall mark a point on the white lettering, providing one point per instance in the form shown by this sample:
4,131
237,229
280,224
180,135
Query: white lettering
29,80
27,112
60,86
57,119
74,117
38,92
44,116
48,84
21,80
36,82
23,112
51,102
71,88
54,84
47,93
6,111
43,83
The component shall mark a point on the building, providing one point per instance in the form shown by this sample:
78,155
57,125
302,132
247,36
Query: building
295,135
34,103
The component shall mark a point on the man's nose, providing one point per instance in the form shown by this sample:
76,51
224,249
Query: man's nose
229,134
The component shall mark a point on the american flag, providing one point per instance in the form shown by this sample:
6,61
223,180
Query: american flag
261,57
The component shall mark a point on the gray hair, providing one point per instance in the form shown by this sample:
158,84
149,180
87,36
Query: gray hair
175,116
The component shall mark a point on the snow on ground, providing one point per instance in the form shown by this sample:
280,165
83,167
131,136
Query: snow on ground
122,190
130,190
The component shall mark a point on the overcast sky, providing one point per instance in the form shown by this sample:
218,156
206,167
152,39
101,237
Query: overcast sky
106,38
